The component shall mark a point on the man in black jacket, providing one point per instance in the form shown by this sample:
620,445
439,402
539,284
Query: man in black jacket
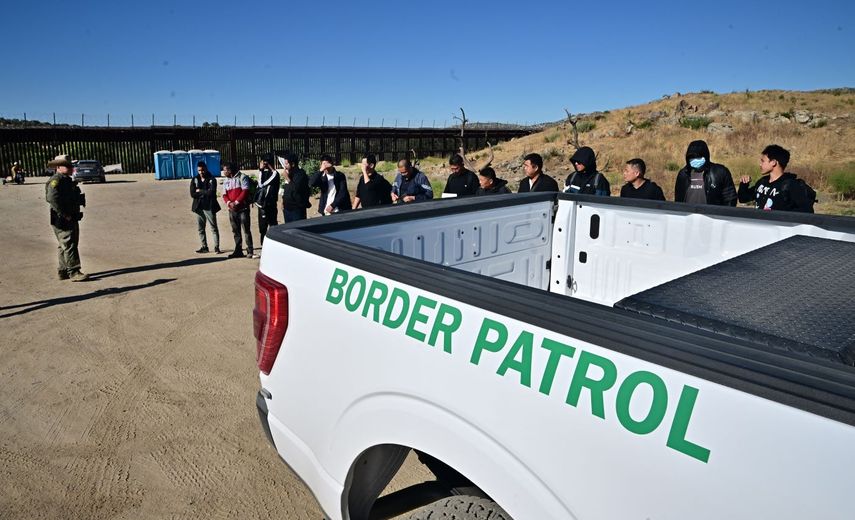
535,179
586,180
203,190
461,182
267,196
702,181
637,187
777,190
373,189
296,192
489,184
333,185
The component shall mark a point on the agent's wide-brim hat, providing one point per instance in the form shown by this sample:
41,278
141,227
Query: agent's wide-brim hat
60,160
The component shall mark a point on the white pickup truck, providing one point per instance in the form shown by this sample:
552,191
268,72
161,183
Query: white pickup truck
554,356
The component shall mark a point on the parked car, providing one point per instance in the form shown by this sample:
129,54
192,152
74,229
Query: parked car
89,171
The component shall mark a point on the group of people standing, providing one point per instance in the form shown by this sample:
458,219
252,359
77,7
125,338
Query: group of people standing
700,181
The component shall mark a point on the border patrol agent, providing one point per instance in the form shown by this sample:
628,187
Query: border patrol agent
65,199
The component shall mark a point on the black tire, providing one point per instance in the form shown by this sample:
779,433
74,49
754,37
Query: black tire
461,507
103,178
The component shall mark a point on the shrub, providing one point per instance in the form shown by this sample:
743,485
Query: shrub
843,182
386,166
695,123
310,166
586,126
345,163
551,138
788,114
819,123
672,166
550,153
644,125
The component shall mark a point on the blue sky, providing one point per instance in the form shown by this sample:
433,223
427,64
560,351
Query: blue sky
501,61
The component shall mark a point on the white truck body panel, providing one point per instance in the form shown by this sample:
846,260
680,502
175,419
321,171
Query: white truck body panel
344,382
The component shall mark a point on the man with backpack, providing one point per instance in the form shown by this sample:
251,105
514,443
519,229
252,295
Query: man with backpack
777,190
267,196
586,180
236,195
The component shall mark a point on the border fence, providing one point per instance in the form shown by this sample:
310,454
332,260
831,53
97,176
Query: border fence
134,147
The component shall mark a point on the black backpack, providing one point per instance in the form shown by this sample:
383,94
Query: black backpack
810,193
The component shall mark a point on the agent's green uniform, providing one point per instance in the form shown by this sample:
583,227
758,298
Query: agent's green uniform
64,198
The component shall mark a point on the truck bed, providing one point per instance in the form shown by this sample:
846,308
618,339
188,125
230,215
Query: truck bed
795,295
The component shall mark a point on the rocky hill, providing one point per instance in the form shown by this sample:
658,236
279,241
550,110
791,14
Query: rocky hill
817,127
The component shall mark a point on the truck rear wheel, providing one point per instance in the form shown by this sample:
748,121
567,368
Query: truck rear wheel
461,507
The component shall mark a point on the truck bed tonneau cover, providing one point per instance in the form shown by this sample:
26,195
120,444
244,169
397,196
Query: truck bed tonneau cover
795,296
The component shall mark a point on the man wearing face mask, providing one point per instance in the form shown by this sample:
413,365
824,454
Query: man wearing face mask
702,181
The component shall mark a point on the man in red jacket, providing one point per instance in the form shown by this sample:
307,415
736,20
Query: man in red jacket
236,197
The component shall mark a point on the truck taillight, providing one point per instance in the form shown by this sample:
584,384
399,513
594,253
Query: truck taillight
269,319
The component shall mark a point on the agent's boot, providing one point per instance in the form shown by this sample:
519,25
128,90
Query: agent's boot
79,277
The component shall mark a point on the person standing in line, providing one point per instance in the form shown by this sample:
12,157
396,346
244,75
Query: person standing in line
702,181
203,190
777,190
489,184
585,179
411,185
295,191
637,186
461,182
267,197
333,185
236,195
65,199
373,189
535,180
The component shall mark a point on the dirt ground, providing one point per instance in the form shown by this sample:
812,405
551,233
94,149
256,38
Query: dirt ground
133,395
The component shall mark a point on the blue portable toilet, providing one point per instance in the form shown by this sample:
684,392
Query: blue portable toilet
164,167
212,159
195,157
182,165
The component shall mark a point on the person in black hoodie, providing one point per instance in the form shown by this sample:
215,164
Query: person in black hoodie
333,186
267,196
295,192
461,182
535,179
489,184
637,187
702,181
586,180
777,190
203,190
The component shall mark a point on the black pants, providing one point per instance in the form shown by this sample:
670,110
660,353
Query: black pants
241,220
267,217
292,215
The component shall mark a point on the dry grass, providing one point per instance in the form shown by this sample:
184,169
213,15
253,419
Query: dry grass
817,150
